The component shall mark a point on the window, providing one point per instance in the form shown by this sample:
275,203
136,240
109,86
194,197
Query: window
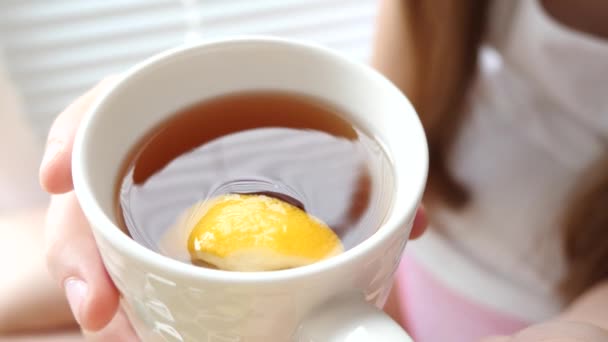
55,50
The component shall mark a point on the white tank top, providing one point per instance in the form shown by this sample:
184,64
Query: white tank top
538,117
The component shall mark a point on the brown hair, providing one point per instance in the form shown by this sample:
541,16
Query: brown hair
445,38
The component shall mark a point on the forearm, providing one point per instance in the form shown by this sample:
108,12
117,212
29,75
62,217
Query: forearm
29,298
586,320
591,307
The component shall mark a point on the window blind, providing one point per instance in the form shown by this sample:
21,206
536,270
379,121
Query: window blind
56,50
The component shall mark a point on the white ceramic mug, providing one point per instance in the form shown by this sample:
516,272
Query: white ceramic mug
333,300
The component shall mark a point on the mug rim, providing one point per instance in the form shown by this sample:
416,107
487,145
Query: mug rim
127,246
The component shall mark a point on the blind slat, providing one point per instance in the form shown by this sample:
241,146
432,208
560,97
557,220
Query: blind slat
56,50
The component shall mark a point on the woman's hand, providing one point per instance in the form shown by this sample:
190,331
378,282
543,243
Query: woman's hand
556,331
72,255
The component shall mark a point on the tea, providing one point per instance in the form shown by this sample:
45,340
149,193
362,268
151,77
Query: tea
288,146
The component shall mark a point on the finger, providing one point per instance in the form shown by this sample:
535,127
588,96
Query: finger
420,224
55,169
119,329
74,261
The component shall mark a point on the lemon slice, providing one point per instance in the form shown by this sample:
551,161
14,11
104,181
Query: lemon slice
259,233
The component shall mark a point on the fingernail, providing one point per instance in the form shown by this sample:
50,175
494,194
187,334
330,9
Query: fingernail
53,148
76,291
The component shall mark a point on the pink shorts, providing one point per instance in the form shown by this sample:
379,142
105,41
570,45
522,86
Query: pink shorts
433,313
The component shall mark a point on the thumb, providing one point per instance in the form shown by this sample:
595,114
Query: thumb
119,329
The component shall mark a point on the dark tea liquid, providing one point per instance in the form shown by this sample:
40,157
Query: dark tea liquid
289,146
